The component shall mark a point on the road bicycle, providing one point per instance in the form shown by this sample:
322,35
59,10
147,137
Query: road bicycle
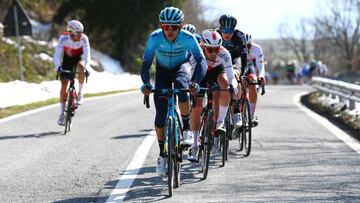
71,99
243,134
173,150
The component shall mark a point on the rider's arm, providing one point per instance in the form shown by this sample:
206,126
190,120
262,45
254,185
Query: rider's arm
243,51
259,61
86,50
227,63
148,59
201,65
58,52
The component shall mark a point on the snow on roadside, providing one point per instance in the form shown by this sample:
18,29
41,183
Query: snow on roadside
335,103
112,79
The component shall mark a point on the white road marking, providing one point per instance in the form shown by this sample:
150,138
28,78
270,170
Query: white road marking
346,138
26,113
122,187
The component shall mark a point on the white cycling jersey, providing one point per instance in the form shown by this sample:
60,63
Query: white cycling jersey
224,58
72,49
256,53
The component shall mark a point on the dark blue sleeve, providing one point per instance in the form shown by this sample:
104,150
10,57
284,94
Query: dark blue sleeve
147,59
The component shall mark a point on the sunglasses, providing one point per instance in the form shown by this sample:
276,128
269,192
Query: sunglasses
75,33
227,31
210,50
173,27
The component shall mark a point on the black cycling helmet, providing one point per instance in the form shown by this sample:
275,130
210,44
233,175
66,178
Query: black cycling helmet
227,23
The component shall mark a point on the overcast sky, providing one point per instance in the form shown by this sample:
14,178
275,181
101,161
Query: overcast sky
261,18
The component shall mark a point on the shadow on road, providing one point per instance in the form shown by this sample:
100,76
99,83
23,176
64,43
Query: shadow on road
33,135
129,136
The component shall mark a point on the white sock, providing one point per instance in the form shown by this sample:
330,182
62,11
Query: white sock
62,107
252,108
80,88
195,133
222,114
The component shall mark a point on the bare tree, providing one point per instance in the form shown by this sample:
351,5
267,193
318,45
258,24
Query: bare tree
340,28
193,12
297,39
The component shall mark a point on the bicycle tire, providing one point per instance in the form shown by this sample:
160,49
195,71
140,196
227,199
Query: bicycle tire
228,133
246,133
177,154
68,112
223,148
170,165
207,143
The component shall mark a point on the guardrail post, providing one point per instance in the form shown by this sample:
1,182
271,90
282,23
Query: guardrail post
342,99
351,104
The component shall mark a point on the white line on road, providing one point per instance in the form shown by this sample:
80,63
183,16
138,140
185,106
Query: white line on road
122,187
346,138
26,113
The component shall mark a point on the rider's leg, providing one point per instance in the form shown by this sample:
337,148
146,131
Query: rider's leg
224,98
64,84
195,120
81,79
182,80
235,107
253,98
81,76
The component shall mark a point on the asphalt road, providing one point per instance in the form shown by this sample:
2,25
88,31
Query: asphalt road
294,158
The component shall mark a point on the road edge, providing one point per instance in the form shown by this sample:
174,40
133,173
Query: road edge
340,134
44,108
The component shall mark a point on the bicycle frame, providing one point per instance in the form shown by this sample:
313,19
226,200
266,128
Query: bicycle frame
70,104
172,147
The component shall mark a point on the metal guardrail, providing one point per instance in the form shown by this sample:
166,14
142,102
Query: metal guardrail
338,88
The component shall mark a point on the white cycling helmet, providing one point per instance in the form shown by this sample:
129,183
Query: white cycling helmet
75,26
211,38
189,27
248,38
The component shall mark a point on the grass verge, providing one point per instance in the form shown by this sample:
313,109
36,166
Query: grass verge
8,111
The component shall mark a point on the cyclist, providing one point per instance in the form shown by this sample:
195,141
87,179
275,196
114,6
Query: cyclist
220,71
72,45
172,47
255,70
234,41
192,29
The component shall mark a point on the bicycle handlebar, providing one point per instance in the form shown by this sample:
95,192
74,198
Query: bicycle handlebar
165,91
254,83
68,71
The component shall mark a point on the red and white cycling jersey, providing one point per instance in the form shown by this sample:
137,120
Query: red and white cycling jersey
255,53
224,58
72,49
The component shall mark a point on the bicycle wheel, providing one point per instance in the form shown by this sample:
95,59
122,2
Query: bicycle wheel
228,133
170,161
177,153
223,148
68,112
247,125
239,132
206,142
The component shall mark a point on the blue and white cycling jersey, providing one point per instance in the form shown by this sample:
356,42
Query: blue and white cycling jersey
172,54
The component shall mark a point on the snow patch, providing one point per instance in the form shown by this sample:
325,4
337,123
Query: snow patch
112,79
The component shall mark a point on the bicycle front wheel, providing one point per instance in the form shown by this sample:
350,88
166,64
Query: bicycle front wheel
247,126
170,155
228,133
68,112
177,153
207,143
